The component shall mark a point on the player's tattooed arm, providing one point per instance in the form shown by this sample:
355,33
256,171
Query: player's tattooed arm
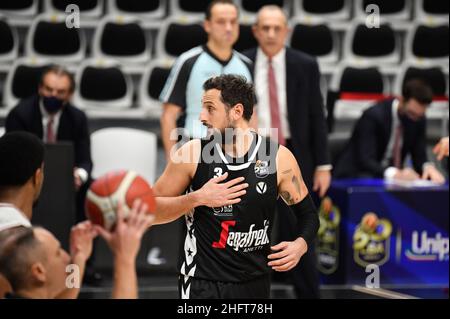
292,189
291,186
296,182
287,198
286,195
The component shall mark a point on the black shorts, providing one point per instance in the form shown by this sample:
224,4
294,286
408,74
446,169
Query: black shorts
195,288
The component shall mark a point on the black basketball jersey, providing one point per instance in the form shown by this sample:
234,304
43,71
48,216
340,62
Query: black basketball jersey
231,243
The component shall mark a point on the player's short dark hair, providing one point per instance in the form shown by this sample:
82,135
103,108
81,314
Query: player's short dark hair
60,71
18,246
234,89
418,90
214,2
21,155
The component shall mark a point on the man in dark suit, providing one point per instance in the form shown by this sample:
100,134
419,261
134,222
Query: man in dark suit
290,101
51,117
385,134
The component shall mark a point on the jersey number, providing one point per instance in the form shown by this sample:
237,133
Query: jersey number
218,172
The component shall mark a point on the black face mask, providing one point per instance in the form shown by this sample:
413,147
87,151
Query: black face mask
52,104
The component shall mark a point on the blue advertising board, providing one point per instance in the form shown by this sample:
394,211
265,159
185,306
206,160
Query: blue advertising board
402,230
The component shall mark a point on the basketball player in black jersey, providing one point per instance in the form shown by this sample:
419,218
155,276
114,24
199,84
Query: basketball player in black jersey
226,250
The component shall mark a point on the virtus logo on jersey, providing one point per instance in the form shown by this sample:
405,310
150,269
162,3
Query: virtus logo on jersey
425,248
253,239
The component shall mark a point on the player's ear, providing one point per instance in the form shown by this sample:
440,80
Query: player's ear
38,177
238,111
38,272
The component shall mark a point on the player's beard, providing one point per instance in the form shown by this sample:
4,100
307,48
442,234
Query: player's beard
228,134
224,135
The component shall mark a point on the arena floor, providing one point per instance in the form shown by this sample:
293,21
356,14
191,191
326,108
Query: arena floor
163,287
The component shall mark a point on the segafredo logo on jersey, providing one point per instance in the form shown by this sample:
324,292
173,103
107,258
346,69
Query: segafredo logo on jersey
425,248
251,240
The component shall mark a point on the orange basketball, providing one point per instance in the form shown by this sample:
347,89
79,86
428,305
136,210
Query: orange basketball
107,191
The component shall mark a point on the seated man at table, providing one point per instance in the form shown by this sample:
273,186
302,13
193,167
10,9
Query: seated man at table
386,133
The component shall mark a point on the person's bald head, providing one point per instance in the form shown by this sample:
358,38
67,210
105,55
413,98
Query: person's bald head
273,11
271,29
31,259
19,250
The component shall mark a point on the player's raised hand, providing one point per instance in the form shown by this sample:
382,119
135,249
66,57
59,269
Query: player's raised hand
216,193
81,238
125,240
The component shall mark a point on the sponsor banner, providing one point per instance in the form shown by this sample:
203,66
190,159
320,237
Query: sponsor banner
328,236
404,231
